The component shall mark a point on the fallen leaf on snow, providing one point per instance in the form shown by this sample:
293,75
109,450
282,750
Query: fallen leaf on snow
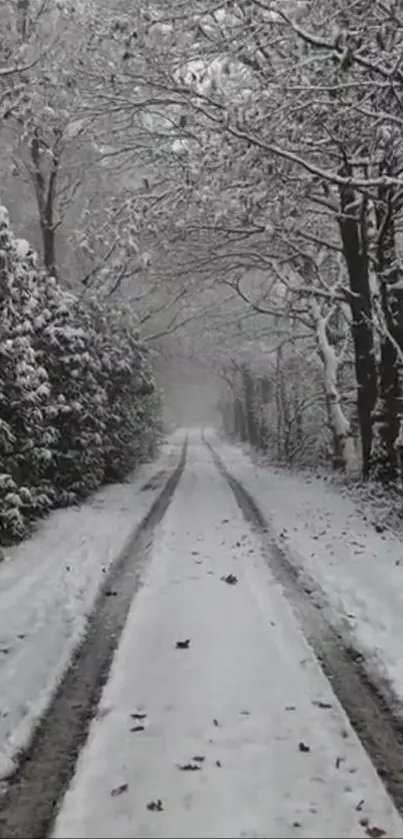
379,527
189,767
183,645
231,579
375,832
303,747
155,805
118,790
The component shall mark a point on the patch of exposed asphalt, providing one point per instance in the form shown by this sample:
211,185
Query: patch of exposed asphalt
366,697
33,792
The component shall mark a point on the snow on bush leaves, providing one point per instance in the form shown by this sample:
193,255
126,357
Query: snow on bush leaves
77,400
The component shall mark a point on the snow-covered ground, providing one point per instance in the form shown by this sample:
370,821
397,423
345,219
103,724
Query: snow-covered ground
223,736
48,585
324,532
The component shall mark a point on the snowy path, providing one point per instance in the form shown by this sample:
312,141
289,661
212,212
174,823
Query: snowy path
48,586
240,702
325,534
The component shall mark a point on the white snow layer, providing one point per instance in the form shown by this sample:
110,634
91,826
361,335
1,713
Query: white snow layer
359,571
48,586
237,703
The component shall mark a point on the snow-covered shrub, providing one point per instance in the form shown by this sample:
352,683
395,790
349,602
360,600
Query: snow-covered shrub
24,389
67,347
77,399
12,525
132,407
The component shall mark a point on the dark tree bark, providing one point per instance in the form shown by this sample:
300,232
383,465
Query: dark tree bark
45,191
240,421
249,398
390,404
352,223
264,397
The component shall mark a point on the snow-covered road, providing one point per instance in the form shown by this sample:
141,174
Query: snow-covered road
236,731
48,587
338,548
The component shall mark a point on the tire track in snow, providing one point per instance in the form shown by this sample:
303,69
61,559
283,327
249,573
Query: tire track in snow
378,726
33,792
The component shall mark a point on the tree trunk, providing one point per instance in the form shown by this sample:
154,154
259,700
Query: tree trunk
279,406
390,406
49,245
22,18
264,396
240,423
344,454
353,235
225,409
249,397
45,190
